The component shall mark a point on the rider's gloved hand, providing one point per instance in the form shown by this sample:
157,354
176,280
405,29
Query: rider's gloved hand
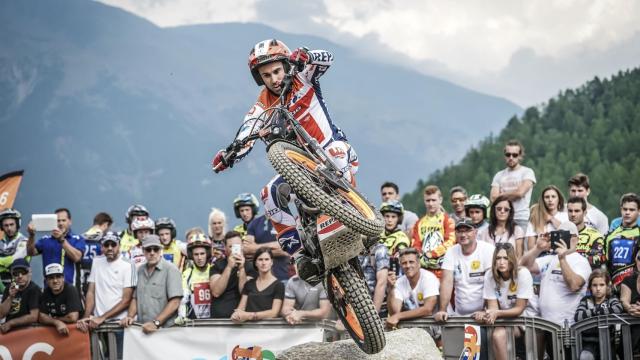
300,57
218,163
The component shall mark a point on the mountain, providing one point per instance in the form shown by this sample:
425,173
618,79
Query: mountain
593,129
103,109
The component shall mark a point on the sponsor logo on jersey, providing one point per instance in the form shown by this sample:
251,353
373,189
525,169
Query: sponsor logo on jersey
475,265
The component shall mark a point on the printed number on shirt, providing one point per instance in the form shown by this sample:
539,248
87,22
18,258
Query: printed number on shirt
622,251
202,294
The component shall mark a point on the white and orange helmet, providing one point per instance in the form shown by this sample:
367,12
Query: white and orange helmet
265,52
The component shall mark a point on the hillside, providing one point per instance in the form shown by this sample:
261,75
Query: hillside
593,129
103,109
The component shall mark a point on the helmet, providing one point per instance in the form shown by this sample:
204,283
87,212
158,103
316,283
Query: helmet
196,240
142,224
265,52
134,210
167,223
393,206
477,201
245,199
10,213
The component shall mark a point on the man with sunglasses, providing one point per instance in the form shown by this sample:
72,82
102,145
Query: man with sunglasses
159,292
21,298
111,284
60,301
515,181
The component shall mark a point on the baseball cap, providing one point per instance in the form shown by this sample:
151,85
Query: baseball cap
110,236
53,269
464,221
20,264
569,226
151,240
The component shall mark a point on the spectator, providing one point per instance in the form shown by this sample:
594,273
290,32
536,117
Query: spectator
515,181
173,250
393,237
61,246
60,302
101,224
630,299
21,299
434,233
463,271
260,233
391,191
140,229
217,228
502,228
476,208
414,295
590,241
599,302
157,297
111,284
457,196
546,214
127,236
304,302
507,291
196,299
622,244
579,186
564,275
375,267
228,277
261,297
12,246
245,207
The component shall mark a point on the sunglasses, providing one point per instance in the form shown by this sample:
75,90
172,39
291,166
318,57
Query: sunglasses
504,245
152,249
511,155
503,209
18,273
109,245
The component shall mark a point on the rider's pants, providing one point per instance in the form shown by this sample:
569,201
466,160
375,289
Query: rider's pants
280,214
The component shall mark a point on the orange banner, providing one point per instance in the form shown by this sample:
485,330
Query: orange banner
9,184
44,343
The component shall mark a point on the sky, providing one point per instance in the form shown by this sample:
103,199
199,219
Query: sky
525,51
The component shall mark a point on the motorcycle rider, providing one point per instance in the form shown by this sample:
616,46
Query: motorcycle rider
174,250
245,206
128,238
269,61
13,245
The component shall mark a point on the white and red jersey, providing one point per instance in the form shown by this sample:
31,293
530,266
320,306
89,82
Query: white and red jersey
304,101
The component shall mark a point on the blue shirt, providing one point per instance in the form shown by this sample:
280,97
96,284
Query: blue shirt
262,229
52,252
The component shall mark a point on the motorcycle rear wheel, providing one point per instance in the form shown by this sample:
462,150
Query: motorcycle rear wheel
300,171
349,296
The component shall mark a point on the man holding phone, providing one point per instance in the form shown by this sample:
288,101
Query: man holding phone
62,247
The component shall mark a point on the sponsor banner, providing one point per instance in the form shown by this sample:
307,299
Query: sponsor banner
39,343
215,343
9,185
472,343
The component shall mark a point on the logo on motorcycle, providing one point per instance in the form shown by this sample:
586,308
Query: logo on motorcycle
327,225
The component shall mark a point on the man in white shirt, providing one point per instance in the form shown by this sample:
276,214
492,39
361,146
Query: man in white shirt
563,273
515,181
415,294
111,284
579,186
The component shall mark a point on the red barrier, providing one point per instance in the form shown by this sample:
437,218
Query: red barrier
44,343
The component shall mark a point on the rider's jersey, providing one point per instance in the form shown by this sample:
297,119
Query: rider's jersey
395,240
135,255
175,253
305,102
432,236
621,248
11,250
127,240
196,301
591,246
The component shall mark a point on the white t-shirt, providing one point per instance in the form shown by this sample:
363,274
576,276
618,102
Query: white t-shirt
557,302
596,219
509,180
560,216
518,233
428,285
110,279
507,295
468,275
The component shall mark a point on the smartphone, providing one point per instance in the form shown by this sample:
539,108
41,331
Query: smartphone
236,249
556,236
45,222
394,265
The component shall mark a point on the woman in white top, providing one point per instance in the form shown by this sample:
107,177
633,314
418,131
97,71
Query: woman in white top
502,228
546,215
507,290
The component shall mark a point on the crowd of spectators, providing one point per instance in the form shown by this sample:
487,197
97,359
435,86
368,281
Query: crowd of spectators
491,257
